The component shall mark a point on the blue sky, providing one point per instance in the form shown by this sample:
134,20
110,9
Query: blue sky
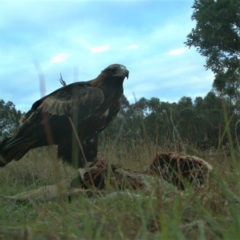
80,38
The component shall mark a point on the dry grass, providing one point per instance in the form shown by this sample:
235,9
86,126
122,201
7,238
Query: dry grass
209,213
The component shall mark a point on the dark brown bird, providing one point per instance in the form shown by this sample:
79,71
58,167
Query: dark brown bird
90,105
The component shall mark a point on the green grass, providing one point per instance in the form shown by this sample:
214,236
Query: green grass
208,213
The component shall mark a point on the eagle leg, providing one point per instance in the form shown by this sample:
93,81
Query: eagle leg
70,151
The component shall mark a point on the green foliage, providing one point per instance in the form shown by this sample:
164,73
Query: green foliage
9,119
151,119
217,37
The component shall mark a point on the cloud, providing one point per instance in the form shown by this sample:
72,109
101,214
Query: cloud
177,51
61,57
132,47
99,49
94,49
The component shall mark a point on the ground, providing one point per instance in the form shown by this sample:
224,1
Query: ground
211,212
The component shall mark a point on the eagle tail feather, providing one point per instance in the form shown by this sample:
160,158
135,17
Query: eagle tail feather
13,149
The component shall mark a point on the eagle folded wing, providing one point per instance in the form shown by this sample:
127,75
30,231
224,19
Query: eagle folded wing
81,100
54,111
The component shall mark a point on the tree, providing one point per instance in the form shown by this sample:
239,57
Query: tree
228,85
9,119
217,37
124,104
198,104
185,102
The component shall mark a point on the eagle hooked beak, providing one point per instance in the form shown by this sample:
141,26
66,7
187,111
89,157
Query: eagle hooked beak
127,74
123,72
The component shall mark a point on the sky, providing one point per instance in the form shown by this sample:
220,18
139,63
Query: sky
80,38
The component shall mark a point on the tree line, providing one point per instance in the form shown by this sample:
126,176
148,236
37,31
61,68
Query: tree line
188,121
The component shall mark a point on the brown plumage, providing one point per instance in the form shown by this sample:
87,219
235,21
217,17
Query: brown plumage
90,105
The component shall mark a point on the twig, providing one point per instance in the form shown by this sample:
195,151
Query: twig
236,134
62,81
143,128
81,148
178,135
78,140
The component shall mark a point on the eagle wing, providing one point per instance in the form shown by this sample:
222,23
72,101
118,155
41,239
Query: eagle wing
53,111
74,98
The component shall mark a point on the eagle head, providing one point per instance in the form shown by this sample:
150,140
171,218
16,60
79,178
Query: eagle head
116,70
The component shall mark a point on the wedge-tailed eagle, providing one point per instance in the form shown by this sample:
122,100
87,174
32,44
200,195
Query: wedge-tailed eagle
70,117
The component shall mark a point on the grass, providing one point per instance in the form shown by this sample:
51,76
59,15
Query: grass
207,213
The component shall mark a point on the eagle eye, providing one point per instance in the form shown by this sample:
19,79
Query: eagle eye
112,70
